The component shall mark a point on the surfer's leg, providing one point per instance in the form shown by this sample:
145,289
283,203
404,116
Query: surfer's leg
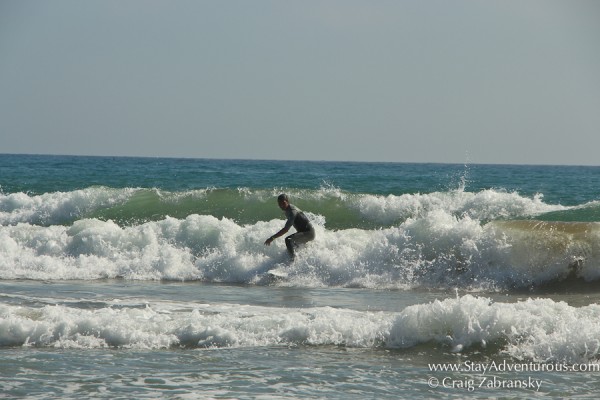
303,237
289,243
292,241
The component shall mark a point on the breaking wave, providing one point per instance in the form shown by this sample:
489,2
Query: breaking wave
485,240
541,330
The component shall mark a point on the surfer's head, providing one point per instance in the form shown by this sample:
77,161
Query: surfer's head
283,200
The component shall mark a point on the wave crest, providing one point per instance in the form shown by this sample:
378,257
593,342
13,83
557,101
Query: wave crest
340,210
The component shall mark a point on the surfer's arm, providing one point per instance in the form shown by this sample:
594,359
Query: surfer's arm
290,214
282,232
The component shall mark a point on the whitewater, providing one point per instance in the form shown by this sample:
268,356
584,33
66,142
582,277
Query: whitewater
140,277
441,239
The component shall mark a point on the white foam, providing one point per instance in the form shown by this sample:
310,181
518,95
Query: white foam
58,207
436,250
536,329
64,207
212,325
484,205
435,239
540,330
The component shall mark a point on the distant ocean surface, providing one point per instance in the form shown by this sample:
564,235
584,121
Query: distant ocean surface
141,278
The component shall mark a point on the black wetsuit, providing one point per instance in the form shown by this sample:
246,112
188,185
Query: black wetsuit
305,231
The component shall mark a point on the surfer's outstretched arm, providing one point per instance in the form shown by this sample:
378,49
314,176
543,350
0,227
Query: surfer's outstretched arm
282,232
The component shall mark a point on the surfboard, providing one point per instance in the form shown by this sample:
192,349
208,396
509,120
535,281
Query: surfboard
277,273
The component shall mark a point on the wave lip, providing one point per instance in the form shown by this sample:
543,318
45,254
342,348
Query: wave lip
337,209
59,207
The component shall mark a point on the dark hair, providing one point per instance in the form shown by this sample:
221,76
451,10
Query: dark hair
283,197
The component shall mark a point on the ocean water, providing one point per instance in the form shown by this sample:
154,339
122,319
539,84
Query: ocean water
147,278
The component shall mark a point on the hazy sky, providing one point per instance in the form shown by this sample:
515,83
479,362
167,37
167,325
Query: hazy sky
507,81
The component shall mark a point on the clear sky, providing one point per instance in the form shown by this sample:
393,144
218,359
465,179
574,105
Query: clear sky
465,81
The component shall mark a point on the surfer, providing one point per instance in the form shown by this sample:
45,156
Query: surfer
295,217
